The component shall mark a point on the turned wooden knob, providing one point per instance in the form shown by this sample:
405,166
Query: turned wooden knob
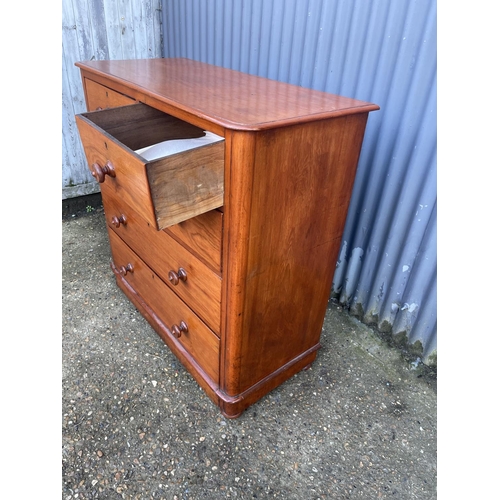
174,277
177,330
116,221
129,268
99,173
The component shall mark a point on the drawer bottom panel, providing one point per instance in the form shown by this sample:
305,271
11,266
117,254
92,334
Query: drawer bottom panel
194,336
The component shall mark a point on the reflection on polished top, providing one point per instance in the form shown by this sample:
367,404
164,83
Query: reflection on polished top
233,99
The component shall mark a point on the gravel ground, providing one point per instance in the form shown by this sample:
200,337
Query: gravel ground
360,424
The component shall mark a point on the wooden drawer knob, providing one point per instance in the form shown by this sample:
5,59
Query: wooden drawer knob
99,173
177,330
129,268
174,277
116,221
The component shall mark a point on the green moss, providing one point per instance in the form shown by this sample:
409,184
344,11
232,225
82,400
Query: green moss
400,340
357,311
432,360
412,353
385,326
416,349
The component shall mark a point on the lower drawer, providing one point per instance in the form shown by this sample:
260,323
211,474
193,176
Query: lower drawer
185,326
201,288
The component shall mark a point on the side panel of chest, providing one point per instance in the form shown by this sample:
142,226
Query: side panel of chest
284,222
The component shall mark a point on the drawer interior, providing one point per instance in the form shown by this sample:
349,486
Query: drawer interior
139,126
167,169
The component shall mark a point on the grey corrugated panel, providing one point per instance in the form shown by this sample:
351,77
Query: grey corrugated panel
417,308
98,29
381,51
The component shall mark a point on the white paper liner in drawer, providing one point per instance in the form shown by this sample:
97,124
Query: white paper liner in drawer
167,148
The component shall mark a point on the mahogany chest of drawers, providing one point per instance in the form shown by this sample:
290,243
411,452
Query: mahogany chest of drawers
225,232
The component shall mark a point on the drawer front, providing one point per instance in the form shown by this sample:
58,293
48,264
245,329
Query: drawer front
189,278
101,97
203,236
167,190
198,339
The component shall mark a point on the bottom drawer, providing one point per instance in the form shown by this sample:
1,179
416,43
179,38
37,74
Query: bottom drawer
163,254
184,324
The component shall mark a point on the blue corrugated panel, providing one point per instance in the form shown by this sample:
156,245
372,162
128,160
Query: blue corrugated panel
381,51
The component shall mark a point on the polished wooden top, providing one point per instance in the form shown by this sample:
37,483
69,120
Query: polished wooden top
230,98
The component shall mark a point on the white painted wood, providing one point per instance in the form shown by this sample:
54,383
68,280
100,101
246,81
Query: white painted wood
101,30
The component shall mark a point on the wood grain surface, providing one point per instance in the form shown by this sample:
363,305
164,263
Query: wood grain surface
229,98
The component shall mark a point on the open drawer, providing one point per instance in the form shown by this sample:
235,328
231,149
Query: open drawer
168,170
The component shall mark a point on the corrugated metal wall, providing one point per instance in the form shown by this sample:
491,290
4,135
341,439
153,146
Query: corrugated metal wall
381,51
98,29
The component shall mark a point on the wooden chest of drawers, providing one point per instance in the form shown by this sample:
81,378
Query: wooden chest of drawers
226,242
